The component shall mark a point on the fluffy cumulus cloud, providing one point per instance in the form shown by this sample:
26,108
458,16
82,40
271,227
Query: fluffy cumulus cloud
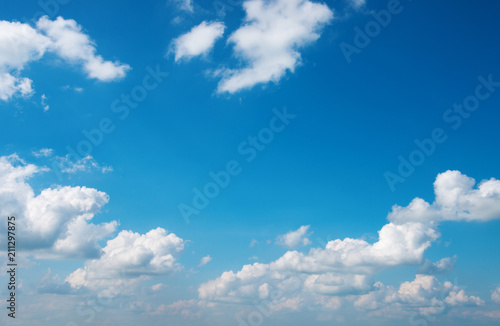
345,269
457,199
397,245
128,259
198,41
56,222
425,294
342,267
294,239
269,40
22,44
71,44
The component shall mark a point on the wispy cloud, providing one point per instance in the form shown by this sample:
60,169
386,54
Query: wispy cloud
43,101
205,260
44,152
86,164
58,221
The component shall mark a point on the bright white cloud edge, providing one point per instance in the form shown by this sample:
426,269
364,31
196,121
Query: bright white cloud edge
22,44
198,41
269,40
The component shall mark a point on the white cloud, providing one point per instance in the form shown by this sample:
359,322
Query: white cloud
294,239
75,88
337,284
342,267
205,260
22,44
57,222
44,152
397,245
269,40
425,295
128,259
456,200
186,5
357,3
71,44
158,287
43,101
444,265
346,268
198,41
86,164
11,86
495,295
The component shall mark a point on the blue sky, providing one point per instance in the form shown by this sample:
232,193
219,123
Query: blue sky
315,202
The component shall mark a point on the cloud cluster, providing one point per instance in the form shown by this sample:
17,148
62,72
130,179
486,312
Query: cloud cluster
425,294
22,44
456,200
198,41
269,40
56,222
346,268
267,43
342,267
294,239
128,259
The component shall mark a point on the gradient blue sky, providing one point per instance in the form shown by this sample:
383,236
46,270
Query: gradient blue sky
326,169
